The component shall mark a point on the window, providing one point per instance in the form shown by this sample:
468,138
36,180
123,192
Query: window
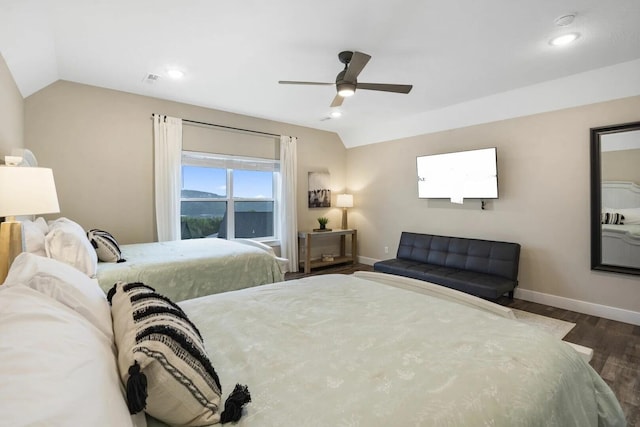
228,196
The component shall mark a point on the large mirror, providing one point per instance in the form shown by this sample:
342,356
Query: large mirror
615,198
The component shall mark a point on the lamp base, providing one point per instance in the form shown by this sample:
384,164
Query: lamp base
10,246
344,219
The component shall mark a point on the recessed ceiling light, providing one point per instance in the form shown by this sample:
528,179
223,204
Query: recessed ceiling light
564,39
175,73
336,114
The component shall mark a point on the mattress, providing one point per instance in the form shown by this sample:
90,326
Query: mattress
187,269
338,350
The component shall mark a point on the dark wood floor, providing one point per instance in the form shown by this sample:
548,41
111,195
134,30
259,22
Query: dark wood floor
616,345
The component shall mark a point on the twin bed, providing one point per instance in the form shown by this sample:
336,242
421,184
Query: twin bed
335,350
179,269
187,269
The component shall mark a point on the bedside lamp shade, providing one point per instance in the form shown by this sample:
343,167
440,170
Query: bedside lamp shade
344,201
23,191
27,191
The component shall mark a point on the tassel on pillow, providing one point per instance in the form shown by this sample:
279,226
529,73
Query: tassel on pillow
239,397
136,389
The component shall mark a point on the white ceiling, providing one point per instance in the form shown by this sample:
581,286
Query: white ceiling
469,61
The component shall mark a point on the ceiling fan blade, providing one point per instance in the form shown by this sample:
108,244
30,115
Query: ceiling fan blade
385,87
289,82
337,101
357,63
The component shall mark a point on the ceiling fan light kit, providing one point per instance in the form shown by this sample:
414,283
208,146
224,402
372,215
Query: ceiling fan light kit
346,90
347,79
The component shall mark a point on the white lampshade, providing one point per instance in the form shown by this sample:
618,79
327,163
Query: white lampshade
344,201
27,191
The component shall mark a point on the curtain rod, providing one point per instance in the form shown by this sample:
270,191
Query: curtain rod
229,127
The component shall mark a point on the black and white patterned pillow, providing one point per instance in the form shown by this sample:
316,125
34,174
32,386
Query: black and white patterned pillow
163,362
611,218
105,245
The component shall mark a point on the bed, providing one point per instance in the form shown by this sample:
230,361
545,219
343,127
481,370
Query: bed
333,350
621,242
180,269
192,268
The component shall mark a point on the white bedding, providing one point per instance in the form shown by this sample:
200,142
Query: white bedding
338,350
192,268
631,230
621,245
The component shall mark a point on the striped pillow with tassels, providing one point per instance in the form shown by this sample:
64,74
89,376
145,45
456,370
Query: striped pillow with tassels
612,218
106,246
163,362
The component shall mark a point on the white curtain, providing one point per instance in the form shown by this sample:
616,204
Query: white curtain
167,142
288,188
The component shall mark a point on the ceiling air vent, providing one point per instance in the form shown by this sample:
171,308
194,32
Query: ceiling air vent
151,78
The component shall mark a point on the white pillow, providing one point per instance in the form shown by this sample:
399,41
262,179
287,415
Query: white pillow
33,238
67,242
64,284
42,224
56,369
631,215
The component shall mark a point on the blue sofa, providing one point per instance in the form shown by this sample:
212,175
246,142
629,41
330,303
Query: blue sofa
483,268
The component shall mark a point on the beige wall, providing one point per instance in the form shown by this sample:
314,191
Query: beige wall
99,144
623,165
543,168
11,112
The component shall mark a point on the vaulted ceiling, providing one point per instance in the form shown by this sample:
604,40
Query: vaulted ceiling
468,61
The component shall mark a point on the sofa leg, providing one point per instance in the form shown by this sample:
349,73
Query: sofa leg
511,295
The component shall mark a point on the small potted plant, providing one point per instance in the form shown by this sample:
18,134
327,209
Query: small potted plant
323,222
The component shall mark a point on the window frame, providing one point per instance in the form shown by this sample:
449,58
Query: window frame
231,163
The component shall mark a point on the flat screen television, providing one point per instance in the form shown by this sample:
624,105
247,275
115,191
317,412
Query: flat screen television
462,175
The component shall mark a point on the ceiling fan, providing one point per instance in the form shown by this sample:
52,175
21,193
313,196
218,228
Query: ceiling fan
347,79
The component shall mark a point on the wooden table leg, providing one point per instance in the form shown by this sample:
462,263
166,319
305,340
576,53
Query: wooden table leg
354,246
307,255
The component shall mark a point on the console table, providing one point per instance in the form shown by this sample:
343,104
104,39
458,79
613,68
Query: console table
307,238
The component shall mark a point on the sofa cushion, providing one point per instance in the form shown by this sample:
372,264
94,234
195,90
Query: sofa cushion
478,284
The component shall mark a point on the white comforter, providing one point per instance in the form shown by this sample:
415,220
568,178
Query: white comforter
342,351
187,269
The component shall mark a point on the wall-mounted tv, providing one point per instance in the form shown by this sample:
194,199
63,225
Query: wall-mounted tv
462,175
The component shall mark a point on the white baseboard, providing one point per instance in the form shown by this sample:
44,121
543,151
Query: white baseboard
366,260
613,313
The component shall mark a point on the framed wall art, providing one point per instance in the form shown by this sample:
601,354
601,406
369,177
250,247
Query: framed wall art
319,192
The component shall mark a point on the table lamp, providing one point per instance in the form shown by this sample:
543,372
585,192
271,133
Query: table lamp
23,191
344,201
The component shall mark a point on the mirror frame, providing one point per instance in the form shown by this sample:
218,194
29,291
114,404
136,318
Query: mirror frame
596,197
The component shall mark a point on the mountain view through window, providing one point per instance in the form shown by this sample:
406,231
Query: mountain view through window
227,203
